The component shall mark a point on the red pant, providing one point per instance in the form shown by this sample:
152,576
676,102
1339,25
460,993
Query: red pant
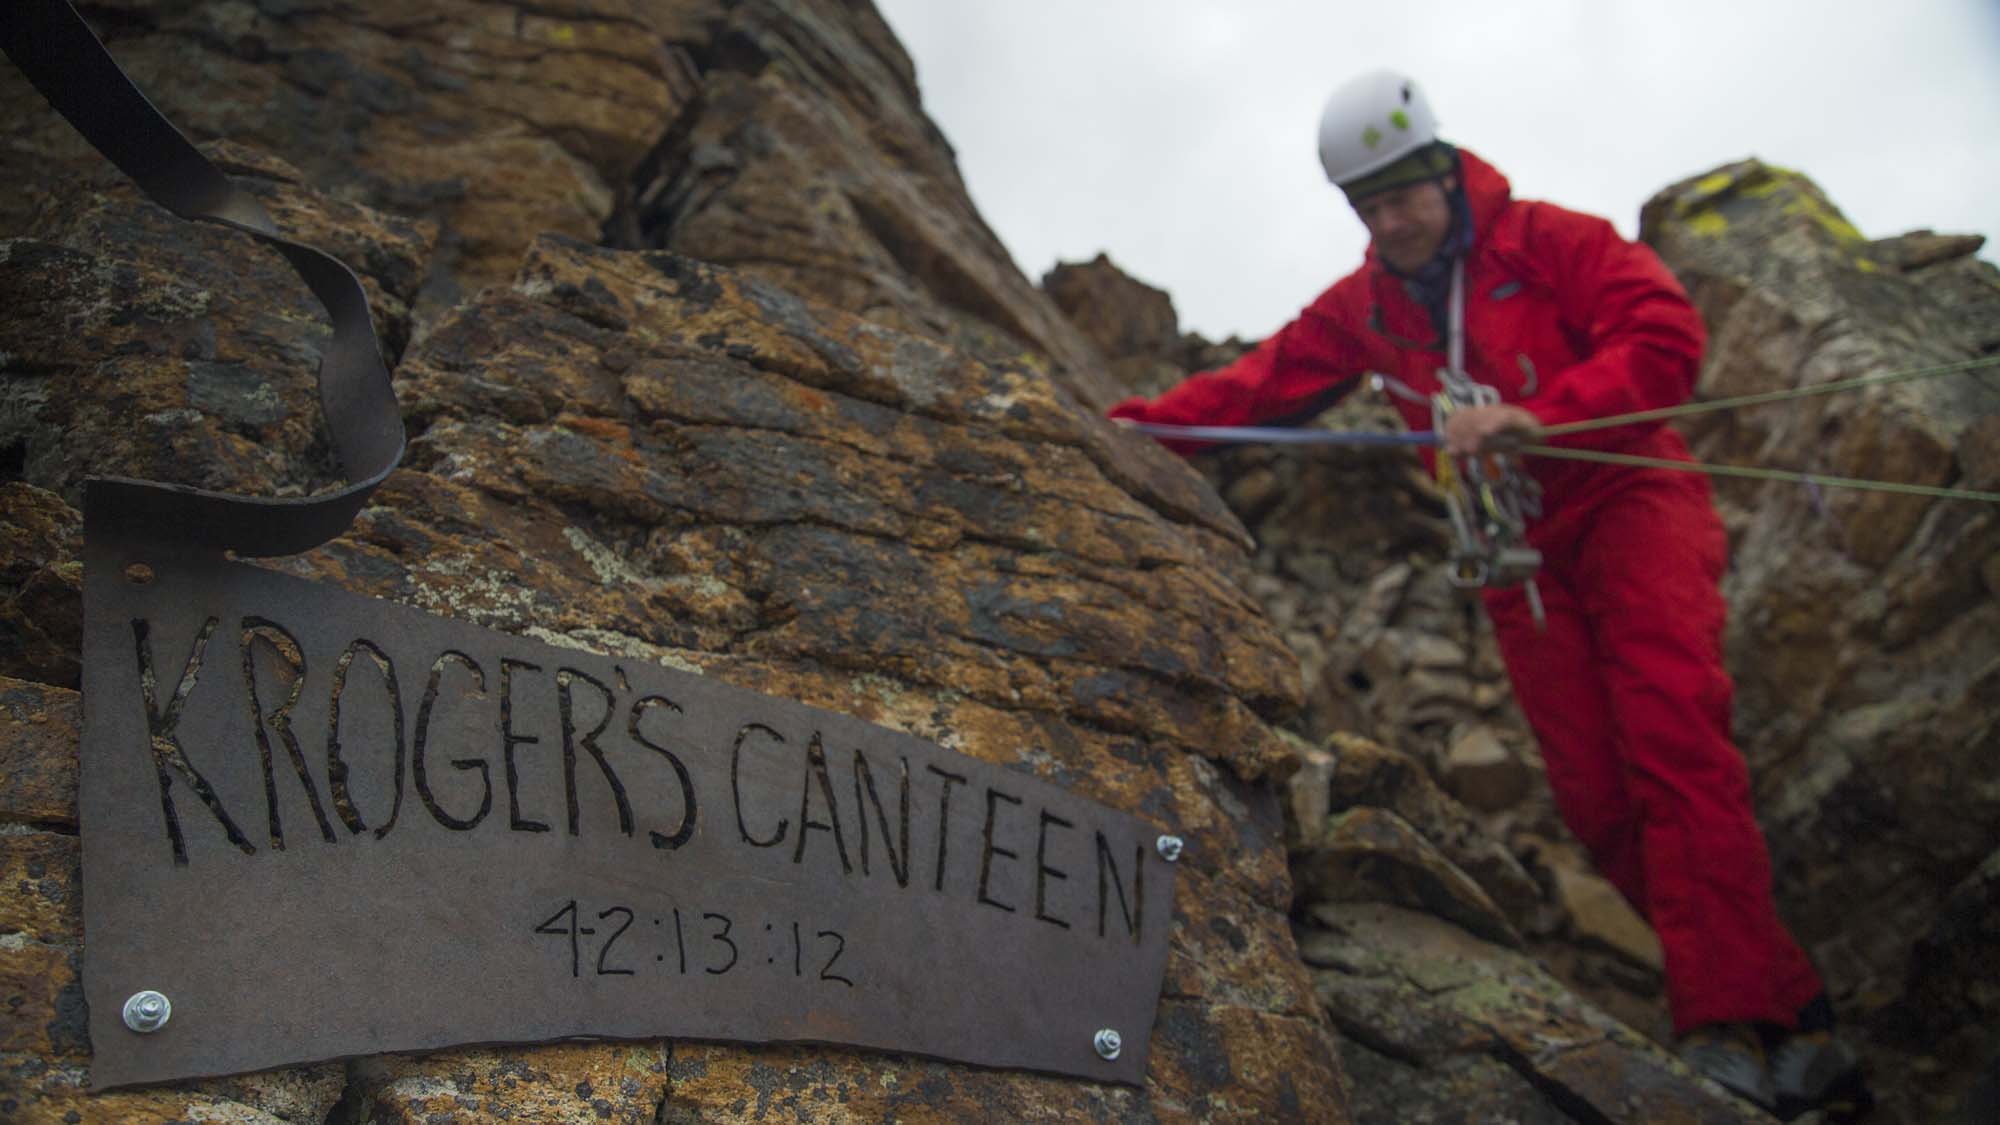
1627,694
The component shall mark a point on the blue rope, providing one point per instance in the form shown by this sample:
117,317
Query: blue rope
1273,435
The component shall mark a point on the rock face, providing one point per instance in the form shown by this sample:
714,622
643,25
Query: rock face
641,453
783,137
1410,917
1866,628
495,122
1123,316
812,164
1132,324
1441,1026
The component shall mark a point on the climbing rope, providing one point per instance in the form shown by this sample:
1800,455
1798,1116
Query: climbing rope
1271,435
1292,436
1788,395
1752,472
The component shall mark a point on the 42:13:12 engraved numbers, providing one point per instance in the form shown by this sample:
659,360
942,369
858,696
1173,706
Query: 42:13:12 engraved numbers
710,947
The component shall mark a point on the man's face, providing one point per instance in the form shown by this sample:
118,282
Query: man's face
1408,223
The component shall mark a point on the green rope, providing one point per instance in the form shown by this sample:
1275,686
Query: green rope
1759,399
1762,397
1564,453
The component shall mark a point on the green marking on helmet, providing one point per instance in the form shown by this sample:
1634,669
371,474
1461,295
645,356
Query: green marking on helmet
1400,120
1371,136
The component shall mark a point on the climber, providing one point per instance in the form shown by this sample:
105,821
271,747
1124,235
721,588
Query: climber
1625,687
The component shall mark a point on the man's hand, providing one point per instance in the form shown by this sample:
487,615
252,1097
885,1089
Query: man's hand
1487,429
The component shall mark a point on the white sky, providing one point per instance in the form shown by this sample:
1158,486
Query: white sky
1179,135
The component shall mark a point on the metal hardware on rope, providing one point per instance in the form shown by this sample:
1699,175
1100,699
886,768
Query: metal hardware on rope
1489,499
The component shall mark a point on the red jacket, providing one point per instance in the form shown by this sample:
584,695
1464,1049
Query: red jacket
1562,316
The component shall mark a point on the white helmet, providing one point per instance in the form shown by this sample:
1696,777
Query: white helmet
1371,122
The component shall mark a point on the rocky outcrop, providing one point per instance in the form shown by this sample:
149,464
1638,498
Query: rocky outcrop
1352,773
141,345
1441,1026
1951,1000
1865,635
494,121
1132,324
1123,316
783,137
812,164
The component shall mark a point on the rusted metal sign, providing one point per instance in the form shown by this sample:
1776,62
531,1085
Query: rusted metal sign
321,825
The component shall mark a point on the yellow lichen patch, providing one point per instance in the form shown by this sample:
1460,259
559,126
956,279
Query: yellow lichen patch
1866,265
1840,226
1768,182
563,34
1715,183
1708,223
1813,207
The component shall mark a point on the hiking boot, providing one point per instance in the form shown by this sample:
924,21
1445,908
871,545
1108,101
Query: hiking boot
1813,1070
1732,1056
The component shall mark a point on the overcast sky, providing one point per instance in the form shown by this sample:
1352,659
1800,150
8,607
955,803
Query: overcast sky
1179,135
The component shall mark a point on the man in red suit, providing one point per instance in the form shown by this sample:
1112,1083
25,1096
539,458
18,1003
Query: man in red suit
1625,685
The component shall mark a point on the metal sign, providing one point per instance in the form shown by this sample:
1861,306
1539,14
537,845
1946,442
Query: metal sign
316,825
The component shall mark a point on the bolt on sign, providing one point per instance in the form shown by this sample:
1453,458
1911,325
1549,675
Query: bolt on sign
316,824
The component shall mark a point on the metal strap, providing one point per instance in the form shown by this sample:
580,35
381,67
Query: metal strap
1455,324
64,59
